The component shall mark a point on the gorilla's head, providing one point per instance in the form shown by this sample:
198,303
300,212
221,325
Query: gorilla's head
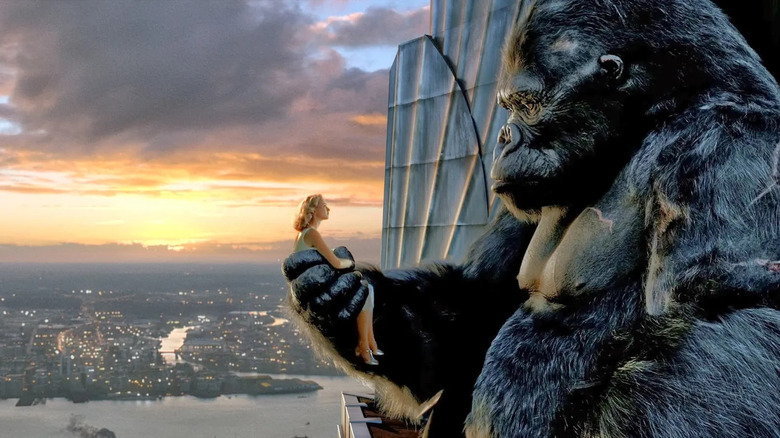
584,82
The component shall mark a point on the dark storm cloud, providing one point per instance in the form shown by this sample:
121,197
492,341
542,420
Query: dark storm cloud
92,69
7,112
358,90
379,26
102,88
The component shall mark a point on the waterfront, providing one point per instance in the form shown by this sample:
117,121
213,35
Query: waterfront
112,317
272,416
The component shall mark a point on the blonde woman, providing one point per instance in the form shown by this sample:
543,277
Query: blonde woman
311,212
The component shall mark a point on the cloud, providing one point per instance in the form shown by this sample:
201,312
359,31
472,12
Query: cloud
111,79
376,26
26,189
370,119
327,2
94,69
269,201
232,176
166,73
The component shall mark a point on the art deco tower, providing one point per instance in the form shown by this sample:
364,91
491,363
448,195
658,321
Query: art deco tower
441,129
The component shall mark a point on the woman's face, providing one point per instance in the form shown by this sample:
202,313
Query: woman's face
322,211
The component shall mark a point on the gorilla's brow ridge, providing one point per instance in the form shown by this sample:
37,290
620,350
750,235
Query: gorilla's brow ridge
513,58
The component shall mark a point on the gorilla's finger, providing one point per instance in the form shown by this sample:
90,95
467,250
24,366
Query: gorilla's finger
354,303
311,283
343,253
321,302
334,300
346,286
300,261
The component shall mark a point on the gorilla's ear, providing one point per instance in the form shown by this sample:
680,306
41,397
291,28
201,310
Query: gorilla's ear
612,67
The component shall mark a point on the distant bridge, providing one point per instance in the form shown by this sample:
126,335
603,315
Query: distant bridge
176,353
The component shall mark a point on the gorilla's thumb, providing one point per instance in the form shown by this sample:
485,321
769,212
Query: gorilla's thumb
298,262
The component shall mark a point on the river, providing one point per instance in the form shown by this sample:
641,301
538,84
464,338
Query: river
172,342
176,337
266,416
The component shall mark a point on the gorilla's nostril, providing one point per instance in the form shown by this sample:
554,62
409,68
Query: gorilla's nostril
508,140
505,135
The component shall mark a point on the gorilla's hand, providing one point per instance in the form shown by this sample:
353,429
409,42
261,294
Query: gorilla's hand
319,292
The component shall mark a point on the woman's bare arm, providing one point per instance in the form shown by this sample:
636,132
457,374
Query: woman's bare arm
313,238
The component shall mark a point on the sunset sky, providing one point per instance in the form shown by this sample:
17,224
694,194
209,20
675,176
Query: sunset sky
190,130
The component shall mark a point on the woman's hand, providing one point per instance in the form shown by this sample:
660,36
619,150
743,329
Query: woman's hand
346,263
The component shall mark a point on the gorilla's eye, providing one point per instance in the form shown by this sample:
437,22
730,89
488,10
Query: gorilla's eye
526,106
531,109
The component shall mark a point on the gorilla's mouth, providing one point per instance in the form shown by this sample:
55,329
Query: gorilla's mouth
528,193
503,186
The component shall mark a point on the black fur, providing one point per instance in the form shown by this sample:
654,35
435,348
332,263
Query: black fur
641,161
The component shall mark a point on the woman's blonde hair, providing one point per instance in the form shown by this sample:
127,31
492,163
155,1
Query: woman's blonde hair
306,211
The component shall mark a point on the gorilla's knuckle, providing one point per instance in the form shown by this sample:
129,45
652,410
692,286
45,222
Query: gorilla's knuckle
312,281
321,302
343,252
344,314
346,284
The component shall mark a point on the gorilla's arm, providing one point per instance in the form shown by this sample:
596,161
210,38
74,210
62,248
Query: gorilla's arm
434,322
715,189
714,238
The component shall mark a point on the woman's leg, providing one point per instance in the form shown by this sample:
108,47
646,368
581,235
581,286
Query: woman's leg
368,307
363,330
365,322
371,338
363,325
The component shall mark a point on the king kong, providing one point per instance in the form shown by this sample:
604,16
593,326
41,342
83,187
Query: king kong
629,286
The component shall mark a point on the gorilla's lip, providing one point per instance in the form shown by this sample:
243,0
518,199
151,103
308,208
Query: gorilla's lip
503,186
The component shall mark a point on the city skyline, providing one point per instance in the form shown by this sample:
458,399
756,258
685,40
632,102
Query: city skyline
173,132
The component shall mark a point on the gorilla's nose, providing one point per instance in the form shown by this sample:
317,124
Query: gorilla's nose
508,140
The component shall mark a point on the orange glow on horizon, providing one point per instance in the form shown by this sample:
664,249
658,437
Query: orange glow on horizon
370,119
173,219
212,197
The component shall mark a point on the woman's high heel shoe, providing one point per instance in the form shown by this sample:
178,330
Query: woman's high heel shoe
368,360
377,352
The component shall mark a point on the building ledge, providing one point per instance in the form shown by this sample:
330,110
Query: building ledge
360,418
